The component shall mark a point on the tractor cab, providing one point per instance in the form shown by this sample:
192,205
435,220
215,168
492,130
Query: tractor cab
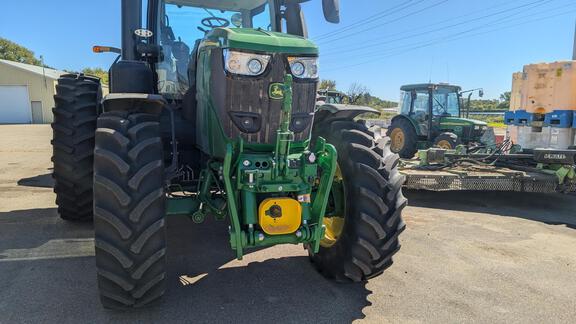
431,115
330,97
429,104
182,28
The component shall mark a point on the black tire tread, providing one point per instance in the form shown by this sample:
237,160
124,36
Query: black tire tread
451,138
373,183
75,112
410,137
129,210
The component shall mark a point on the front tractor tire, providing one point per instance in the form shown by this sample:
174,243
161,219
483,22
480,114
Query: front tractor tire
75,112
129,209
363,218
447,141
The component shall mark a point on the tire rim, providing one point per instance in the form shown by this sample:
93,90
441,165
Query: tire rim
335,217
444,144
397,139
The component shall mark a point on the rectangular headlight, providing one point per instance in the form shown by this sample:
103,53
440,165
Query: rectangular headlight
245,63
304,67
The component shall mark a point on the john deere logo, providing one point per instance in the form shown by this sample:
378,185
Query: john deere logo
276,91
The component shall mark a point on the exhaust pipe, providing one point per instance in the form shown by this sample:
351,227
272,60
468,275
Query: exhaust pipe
131,20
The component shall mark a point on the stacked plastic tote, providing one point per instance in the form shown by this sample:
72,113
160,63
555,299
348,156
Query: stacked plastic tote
543,106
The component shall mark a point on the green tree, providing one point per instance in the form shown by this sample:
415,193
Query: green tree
327,85
506,96
13,52
97,72
505,100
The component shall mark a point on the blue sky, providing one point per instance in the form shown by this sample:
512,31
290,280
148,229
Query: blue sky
381,44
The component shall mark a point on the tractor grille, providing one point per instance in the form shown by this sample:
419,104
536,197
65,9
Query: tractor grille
242,97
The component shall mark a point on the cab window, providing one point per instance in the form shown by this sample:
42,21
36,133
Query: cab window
180,29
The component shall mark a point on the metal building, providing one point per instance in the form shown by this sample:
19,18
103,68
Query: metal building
26,93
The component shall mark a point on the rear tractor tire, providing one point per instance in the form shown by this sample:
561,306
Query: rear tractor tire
403,138
129,209
77,102
363,219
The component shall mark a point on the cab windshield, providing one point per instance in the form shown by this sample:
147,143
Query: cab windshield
181,26
445,103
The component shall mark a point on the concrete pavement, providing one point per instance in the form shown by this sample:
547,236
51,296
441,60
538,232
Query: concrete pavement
466,257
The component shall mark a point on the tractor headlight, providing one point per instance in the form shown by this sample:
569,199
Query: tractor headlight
304,67
245,63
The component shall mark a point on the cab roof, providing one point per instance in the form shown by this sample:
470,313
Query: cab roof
331,91
229,5
424,86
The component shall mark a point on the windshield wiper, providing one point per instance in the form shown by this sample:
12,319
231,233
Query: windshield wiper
209,12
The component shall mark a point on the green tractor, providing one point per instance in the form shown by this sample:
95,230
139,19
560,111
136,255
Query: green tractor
331,97
432,115
212,113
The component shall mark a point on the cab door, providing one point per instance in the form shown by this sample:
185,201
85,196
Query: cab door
419,111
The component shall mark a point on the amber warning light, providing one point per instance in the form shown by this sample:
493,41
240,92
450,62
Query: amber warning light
106,49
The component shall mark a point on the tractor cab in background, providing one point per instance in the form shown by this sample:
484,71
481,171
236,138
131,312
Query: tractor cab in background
432,115
331,97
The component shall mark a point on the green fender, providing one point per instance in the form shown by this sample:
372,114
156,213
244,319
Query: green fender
341,111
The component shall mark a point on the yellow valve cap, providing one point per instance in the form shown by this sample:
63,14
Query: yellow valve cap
279,215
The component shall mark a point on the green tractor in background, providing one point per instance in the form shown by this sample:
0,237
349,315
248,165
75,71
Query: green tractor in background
212,112
327,96
432,115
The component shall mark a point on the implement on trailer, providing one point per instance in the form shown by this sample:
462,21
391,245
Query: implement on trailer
539,170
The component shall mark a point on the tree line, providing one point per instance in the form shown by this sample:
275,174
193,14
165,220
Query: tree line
359,94
492,104
12,51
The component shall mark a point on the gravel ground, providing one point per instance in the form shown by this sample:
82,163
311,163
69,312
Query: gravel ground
466,257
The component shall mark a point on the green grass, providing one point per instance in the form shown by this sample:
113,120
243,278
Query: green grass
497,125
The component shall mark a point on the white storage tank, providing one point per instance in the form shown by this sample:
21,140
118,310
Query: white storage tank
559,124
561,138
533,138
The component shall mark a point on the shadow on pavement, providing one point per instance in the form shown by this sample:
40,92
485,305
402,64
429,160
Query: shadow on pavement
42,181
205,283
552,209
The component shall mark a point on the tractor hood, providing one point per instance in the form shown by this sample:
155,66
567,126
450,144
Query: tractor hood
456,121
260,40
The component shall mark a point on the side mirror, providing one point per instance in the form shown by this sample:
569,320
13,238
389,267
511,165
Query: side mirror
481,93
331,10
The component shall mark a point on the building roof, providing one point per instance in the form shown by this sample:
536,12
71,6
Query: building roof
49,73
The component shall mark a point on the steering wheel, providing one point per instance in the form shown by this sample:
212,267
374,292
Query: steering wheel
215,22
